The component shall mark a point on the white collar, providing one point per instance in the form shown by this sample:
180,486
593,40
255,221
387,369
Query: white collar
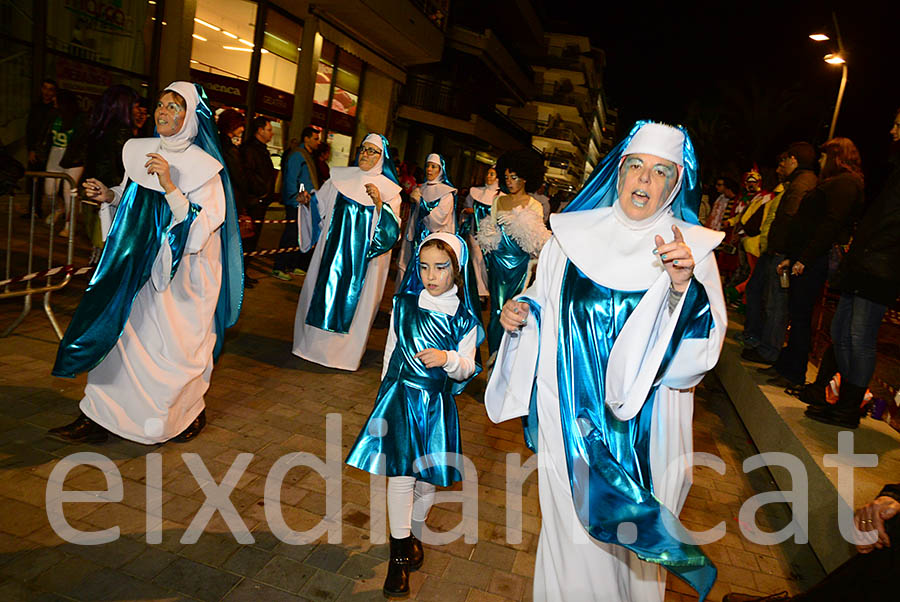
485,194
447,302
351,182
619,254
190,169
434,189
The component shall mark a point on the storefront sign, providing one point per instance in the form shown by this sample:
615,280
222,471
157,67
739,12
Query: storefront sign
109,14
232,92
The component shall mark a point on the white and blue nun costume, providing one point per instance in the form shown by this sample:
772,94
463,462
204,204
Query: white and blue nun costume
347,273
169,282
603,374
435,212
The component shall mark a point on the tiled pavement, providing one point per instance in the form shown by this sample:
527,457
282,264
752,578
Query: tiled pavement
266,402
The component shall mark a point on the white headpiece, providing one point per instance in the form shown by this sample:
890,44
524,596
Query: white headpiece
376,140
185,136
450,239
436,159
660,140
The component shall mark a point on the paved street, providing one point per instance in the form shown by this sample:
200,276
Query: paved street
268,403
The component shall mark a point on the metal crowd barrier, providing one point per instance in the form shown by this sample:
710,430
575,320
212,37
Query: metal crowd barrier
10,290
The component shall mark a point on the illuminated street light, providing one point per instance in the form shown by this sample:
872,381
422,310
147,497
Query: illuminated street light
834,58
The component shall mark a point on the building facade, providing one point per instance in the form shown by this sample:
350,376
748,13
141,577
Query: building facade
338,64
568,118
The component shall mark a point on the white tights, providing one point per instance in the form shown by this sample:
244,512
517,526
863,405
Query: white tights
407,500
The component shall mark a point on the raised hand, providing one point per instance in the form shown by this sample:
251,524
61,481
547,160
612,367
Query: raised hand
676,258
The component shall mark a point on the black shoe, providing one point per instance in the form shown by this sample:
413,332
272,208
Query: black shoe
396,583
193,429
752,355
779,597
250,279
833,415
247,283
813,394
416,554
82,430
770,371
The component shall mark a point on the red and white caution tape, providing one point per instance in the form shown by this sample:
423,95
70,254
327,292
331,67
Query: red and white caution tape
62,269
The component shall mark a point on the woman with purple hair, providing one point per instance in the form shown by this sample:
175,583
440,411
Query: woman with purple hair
110,128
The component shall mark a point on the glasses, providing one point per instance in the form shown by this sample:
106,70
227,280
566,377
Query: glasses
365,150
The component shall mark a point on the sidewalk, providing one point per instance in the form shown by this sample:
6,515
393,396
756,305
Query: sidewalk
268,403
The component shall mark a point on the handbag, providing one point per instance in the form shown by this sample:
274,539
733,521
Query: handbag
245,223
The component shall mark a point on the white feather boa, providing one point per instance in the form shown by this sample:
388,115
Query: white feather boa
525,227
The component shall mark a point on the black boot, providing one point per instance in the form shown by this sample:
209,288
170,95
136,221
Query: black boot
416,554
814,393
82,430
193,428
396,583
845,413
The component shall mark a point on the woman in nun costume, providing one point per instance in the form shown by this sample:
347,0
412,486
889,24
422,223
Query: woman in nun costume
435,210
169,282
345,281
600,357
480,200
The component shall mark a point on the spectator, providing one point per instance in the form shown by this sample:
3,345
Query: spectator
544,200
140,125
869,282
40,118
231,130
871,575
67,125
825,219
299,182
322,156
723,206
110,128
765,328
259,174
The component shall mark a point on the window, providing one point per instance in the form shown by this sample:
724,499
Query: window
281,52
223,37
114,33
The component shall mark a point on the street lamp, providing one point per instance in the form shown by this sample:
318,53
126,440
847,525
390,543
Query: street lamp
836,58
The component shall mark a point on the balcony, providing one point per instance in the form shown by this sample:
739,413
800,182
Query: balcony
565,93
437,97
407,32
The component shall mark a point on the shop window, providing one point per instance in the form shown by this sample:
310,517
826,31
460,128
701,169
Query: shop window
336,99
117,33
281,52
223,37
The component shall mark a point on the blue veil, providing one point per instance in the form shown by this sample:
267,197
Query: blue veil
231,295
601,188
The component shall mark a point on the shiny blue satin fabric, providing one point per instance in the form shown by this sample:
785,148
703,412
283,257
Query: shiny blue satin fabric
345,259
387,232
342,272
608,460
507,268
415,413
471,225
601,187
137,232
231,292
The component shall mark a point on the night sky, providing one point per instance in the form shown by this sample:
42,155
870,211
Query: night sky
750,77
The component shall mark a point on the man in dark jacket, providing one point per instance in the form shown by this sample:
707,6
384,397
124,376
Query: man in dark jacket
765,329
40,118
259,173
871,575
